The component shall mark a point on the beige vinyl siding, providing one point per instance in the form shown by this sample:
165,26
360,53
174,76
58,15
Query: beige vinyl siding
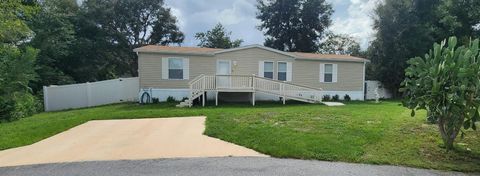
247,60
349,75
304,72
150,70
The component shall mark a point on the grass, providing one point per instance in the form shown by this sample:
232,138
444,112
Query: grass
362,132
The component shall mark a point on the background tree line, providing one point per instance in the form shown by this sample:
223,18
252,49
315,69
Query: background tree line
408,28
46,42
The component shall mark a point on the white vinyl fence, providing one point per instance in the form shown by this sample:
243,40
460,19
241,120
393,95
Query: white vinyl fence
90,94
376,86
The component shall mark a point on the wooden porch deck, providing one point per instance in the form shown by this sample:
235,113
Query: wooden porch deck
251,84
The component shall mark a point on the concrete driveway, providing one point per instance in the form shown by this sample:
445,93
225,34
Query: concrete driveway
126,140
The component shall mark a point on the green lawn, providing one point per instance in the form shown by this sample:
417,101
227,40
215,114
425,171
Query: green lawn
362,132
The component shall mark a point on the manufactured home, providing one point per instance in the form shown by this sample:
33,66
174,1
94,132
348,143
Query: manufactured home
248,73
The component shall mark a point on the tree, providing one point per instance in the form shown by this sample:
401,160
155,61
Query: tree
406,28
445,83
458,18
403,30
54,36
16,62
13,28
108,30
217,37
340,44
294,25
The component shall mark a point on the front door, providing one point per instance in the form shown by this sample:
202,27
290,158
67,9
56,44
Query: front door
224,69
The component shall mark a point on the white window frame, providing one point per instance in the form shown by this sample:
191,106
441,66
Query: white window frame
166,68
325,73
286,70
273,69
334,72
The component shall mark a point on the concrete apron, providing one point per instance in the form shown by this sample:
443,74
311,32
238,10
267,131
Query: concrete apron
126,140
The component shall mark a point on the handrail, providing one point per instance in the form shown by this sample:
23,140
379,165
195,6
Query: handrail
299,85
196,78
253,82
283,82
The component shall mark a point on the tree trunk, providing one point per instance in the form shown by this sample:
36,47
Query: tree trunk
449,134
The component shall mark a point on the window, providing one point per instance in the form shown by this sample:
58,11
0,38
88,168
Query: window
268,70
282,71
175,68
328,75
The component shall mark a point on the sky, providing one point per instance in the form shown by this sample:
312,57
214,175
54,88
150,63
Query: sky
352,17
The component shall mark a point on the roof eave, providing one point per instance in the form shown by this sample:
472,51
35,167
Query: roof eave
332,59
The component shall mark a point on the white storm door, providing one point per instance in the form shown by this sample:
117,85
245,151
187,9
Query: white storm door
224,70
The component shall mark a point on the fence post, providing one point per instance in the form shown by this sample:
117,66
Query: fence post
121,90
45,98
89,94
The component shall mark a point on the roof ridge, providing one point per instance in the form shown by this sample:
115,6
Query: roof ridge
214,51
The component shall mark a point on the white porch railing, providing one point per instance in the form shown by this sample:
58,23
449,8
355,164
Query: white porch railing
251,83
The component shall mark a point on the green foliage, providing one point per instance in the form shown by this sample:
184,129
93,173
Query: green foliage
294,25
326,98
217,38
17,64
445,82
54,36
108,31
347,97
171,99
155,100
407,28
16,72
13,14
403,31
335,97
340,44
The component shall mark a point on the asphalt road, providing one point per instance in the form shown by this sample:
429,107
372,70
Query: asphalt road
224,166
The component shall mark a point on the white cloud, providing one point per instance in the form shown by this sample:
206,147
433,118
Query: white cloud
358,22
197,16
180,18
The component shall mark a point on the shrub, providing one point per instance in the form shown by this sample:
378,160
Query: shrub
155,100
18,106
326,98
335,97
17,70
347,97
170,99
445,84
184,98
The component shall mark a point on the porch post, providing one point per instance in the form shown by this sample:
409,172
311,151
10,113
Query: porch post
253,98
203,99
216,98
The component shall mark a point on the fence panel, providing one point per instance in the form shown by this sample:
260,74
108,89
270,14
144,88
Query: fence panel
90,94
374,87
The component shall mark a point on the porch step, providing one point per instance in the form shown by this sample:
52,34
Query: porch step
183,104
333,103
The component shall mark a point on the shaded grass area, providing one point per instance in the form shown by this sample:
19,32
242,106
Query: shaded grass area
361,132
